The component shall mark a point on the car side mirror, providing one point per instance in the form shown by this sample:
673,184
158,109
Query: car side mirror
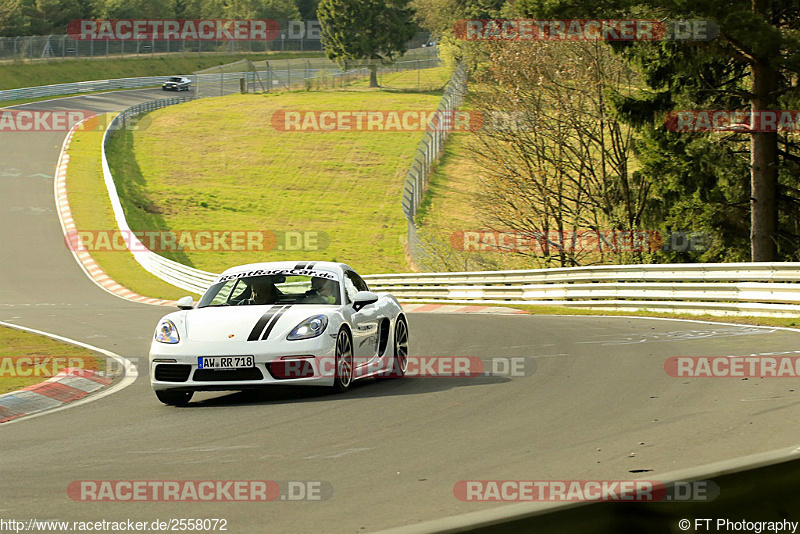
364,298
185,303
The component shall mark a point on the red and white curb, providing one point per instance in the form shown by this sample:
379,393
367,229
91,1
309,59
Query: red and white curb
82,256
70,385
451,308
69,388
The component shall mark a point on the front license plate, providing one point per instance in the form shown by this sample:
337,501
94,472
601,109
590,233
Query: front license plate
225,362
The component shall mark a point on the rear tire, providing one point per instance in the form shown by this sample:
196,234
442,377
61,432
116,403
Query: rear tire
343,378
174,398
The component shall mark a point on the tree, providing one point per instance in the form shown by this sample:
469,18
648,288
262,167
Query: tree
136,9
15,17
370,32
753,63
52,16
554,157
307,9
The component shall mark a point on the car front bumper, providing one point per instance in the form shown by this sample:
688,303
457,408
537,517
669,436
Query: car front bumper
307,362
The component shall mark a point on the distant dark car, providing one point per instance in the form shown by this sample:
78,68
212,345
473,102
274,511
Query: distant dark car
177,83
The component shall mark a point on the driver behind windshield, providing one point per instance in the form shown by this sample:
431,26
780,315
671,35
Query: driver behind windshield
262,291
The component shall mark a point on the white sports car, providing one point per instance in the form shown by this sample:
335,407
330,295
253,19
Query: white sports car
309,323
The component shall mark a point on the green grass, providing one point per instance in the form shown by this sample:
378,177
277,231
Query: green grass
229,169
449,207
91,210
18,345
433,79
14,75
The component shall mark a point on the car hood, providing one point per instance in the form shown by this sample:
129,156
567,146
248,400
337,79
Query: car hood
247,323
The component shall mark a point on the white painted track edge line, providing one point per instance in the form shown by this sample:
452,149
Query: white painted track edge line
62,154
130,370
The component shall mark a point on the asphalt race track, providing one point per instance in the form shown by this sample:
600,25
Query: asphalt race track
595,403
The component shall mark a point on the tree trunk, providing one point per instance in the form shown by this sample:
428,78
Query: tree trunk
373,76
763,161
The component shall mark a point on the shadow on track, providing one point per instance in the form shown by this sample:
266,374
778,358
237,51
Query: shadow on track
365,388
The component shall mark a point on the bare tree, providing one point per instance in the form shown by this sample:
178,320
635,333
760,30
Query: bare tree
554,157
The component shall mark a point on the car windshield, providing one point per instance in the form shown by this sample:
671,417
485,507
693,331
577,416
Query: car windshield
271,289
176,79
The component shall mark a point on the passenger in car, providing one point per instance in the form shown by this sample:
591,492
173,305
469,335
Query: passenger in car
323,291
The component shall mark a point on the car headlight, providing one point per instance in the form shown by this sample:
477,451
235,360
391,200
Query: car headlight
311,327
166,332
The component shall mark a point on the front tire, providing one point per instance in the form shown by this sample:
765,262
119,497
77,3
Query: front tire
174,398
344,362
400,358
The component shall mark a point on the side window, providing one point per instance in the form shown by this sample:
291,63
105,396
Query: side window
353,284
224,291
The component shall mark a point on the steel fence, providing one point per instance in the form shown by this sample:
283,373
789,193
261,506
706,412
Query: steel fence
428,152
44,47
342,79
53,47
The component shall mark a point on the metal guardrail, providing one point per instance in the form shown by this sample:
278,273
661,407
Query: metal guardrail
768,289
172,272
94,86
81,87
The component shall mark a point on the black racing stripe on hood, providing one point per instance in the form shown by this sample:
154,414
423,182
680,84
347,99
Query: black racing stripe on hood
274,321
300,266
261,323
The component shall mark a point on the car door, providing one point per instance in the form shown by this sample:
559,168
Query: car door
365,321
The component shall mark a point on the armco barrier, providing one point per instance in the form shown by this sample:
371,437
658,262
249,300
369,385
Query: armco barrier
94,86
761,289
81,87
170,271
